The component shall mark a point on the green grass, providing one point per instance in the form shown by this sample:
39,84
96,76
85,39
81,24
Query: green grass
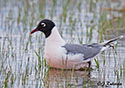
97,63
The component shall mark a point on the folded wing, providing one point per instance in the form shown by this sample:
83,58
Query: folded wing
88,50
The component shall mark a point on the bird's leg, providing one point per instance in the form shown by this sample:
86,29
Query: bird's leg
89,64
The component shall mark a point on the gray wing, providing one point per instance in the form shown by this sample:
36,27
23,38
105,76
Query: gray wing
88,51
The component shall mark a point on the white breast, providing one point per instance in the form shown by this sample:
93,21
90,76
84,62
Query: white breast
53,50
55,54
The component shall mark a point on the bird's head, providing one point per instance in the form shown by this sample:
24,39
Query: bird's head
44,26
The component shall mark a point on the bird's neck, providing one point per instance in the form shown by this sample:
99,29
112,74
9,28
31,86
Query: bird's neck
55,37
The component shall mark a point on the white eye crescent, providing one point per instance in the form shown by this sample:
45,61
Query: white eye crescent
43,24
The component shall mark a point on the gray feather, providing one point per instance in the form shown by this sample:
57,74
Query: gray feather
88,51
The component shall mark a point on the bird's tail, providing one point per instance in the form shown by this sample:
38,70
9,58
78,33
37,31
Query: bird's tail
111,42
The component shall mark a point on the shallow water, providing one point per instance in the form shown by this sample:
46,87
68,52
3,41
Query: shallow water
22,62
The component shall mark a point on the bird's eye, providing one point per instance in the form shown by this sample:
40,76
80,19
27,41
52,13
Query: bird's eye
43,24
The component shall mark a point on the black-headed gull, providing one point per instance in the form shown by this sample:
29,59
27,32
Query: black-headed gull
59,54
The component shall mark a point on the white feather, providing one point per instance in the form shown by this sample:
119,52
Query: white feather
55,54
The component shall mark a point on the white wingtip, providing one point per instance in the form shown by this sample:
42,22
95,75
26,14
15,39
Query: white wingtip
111,41
121,36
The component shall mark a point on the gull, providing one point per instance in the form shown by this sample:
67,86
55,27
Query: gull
61,55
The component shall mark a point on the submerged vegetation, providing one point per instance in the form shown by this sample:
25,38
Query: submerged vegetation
22,63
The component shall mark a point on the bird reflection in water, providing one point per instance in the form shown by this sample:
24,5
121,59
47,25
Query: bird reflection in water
56,78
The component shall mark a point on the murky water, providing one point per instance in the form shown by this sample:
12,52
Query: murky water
79,21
